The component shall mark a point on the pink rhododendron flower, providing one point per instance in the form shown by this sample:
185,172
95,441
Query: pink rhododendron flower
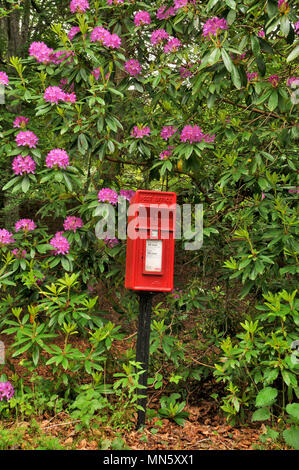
166,153
195,134
6,390
185,72
133,67
252,76
158,35
4,78
53,94
113,41
26,138
292,81
41,52
79,6
70,97
19,253
283,6
72,223
62,56
6,237
99,34
96,73
111,242
142,17
140,132
27,225
60,244
172,45
20,121
179,4
127,193
167,132
261,33
57,157
108,195
23,165
274,80
164,13
296,27
73,31
213,26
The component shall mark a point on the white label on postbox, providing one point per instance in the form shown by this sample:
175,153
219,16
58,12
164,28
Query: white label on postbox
153,256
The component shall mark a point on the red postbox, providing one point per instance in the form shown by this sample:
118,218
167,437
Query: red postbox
150,241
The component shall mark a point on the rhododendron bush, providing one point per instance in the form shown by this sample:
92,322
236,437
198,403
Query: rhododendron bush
197,97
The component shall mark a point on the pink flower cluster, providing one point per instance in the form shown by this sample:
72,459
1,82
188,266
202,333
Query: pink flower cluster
41,52
166,153
6,237
79,6
108,195
62,56
252,76
20,121
133,67
158,36
176,293
167,132
3,78
180,4
292,80
195,134
57,157
142,17
26,138
73,31
283,6
185,72
105,37
27,225
261,33
54,94
18,253
127,193
172,45
213,26
274,80
96,73
21,165
60,243
6,390
140,132
296,27
164,13
72,223
111,242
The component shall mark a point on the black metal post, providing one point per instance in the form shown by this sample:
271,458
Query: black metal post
142,348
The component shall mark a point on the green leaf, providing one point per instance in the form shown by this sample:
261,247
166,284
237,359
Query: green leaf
255,45
25,184
261,65
293,410
235,77
11,183
227,60
285,25
261,415
266,397
273,100
293,54
291,436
